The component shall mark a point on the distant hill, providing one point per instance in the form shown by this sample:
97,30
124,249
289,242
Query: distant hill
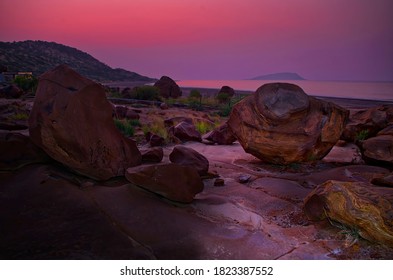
40,56
279,76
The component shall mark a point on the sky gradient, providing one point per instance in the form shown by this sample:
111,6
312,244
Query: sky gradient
214,39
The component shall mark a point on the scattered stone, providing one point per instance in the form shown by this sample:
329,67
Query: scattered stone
154,139
176,120
152,155
222,135
228,90
367,123
132,115
189,157
168,87
379,149
185,131
120,112
164,106
348,153
72,122
11,91
243,179
173,181
281,124
219,182
354,205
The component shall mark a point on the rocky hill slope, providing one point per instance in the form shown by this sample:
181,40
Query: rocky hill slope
41,56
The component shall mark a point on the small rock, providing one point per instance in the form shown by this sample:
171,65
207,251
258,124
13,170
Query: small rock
186,132
189,157
132,115
164,106
222,135
244,179
153,155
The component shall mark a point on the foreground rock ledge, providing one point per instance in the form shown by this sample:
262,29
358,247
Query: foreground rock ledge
365,209
281,124
72,122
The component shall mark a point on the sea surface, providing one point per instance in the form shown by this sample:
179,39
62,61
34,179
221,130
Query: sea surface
358,90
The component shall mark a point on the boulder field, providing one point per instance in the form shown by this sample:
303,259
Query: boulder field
73,187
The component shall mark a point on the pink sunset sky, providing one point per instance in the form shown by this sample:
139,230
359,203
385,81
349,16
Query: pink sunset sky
213,39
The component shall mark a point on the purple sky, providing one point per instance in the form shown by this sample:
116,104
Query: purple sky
213,39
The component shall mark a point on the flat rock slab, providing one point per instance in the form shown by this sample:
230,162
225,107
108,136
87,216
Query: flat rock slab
48,217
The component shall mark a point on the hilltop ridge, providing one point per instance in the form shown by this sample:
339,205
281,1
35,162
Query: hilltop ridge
279,76
41,56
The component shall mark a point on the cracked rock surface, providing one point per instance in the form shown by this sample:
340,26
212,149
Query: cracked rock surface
48,213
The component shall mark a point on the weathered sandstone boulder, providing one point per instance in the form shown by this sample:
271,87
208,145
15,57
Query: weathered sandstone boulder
172,181
361,207
281,124
189,157
367,123
72,122
185,131
168,87
222,135
379,148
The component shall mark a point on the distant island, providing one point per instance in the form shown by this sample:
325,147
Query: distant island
41,56
279,76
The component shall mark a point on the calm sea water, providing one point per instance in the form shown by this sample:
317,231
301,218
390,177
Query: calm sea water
357,90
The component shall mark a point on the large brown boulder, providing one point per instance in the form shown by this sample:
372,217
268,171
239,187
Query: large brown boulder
379,149
367,123
364,209
168,87
172,181
189,157
72,122
281,124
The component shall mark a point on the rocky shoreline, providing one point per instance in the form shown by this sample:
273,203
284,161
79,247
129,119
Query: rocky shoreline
192,198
